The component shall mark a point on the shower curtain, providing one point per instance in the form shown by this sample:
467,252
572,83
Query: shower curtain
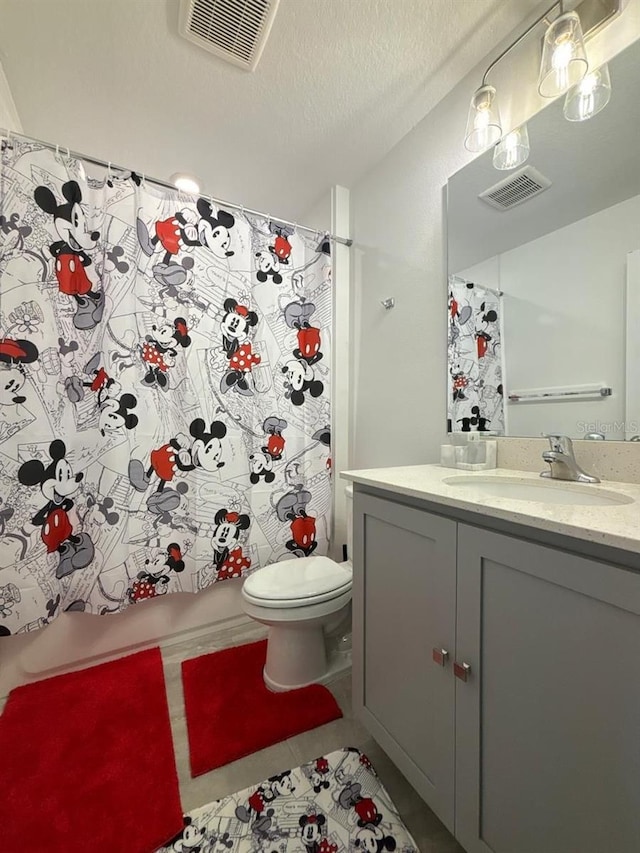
165,390
475,397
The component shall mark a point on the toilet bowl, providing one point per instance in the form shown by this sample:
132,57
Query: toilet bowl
295,599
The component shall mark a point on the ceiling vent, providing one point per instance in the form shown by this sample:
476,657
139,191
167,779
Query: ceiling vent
521,186
235,30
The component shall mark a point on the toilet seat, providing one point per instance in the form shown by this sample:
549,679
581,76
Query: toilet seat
297,583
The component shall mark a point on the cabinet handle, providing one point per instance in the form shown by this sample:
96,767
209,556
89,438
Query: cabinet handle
440,656
461,670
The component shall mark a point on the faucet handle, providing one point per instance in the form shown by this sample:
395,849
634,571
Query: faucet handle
561,443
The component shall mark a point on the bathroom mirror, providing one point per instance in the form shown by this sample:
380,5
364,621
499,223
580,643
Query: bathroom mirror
544,277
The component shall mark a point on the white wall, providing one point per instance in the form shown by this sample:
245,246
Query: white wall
319,216
9,118
563,312
400,251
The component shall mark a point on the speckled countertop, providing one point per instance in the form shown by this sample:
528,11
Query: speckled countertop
615,525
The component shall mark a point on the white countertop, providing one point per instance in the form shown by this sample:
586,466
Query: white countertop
617,526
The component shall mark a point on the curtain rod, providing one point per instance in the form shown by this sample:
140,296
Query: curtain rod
473,284
8,134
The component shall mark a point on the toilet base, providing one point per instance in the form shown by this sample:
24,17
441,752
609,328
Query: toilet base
296,655
297,646
338,665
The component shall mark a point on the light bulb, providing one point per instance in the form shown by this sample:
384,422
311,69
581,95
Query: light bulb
564,61
481,127
513,150
560,62
591,95
483,121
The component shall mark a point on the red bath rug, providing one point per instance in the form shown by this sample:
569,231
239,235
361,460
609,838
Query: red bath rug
87,761
231,713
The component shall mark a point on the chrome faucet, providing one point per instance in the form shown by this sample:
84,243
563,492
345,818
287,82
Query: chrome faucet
562,462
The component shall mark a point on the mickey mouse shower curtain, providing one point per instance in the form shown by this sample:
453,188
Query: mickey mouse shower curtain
165,391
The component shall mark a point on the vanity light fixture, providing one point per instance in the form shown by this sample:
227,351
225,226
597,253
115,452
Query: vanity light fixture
591,95
564,59
483,122
513,149
564,65
184,182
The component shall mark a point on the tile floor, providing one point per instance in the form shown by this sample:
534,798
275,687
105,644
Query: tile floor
429,833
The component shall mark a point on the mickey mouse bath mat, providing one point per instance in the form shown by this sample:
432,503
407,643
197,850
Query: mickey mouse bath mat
230,713
333,804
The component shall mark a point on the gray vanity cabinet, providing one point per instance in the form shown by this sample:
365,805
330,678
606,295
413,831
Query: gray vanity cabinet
548,722
538,750
404,602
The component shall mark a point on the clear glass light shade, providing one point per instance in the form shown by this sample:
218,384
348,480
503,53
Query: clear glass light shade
591,95
483,123
513,149
564,61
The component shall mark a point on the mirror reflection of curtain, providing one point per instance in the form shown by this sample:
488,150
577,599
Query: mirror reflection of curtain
474,359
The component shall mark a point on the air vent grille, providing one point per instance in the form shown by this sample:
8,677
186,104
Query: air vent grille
521,186
235,30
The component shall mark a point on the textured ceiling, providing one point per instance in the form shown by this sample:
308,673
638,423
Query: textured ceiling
340,82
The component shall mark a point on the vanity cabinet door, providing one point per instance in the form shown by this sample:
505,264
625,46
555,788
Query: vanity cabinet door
404,608
548,722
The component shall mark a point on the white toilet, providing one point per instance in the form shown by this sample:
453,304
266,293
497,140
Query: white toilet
297,598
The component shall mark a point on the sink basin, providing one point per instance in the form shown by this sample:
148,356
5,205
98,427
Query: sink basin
555,492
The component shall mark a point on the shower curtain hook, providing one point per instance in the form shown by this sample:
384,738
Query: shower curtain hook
58,153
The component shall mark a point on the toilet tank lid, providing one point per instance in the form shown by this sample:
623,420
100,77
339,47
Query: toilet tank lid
298,578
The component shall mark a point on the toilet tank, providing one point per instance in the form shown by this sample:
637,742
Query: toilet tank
349,504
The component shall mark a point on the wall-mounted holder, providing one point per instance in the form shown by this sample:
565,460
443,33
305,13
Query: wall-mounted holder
388,303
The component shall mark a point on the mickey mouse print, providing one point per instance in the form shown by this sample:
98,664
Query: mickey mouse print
165,390
475,396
